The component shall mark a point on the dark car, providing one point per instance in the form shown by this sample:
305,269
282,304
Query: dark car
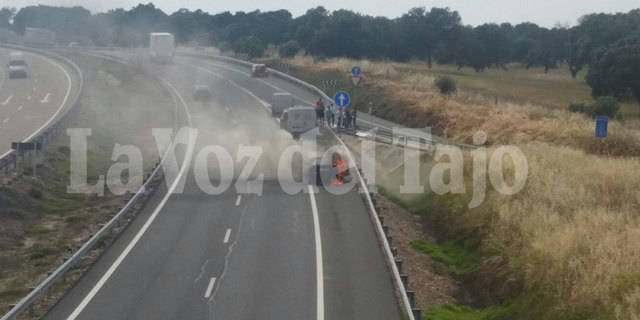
202,94
259,70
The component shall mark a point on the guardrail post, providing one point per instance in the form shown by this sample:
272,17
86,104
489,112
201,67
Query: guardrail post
399,265
412,298
417,313
405,279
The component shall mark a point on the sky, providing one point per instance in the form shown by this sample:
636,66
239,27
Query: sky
474,12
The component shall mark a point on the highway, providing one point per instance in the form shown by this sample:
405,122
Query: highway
26,105
235,255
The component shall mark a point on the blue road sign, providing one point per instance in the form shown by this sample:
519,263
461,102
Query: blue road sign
601,126
355,71
341,99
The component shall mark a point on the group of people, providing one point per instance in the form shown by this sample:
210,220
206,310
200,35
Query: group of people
335,117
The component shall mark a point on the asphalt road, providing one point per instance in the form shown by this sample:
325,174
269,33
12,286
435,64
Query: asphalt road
27,105
234,255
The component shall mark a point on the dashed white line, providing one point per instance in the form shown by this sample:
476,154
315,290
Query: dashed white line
227,235
207,293
238,199
4,103
46,98
185,165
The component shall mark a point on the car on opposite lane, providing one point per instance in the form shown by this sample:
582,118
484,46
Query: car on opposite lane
17,66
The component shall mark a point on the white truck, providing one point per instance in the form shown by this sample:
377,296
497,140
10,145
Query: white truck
162,47
298,120
280,102
17,66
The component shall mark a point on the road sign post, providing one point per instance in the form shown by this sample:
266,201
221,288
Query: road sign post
601,126
355,75
341,99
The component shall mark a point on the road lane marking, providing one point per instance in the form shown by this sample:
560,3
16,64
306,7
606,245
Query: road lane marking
6,102
5,120
238,199
64,100
28,98
46,98
181,174
319,266
212,282
226,236
20,108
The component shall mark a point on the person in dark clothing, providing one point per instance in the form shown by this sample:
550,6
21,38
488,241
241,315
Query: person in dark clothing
320,112
354,118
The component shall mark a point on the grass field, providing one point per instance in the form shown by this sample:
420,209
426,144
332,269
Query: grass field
568,245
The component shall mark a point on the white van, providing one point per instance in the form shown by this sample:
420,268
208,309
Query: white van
281,101
162,47
298,120
17,66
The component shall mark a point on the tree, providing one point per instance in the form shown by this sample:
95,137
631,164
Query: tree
6,14
615,70
289,49
250,45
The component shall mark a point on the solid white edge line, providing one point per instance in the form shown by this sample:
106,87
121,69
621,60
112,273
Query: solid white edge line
238,199
55,115
319,266
207,293
87,299
64,101
227,235
316,222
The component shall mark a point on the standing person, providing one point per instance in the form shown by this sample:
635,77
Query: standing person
320,111
355,118
328,115
347,122
340,117
334,111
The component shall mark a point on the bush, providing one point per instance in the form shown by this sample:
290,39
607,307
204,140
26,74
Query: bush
252,46
289,49
578,107
604,106
446,85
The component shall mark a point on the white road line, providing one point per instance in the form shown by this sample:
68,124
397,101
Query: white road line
64,100
20,108
185,164
238,199
212,282
226,236
5,120
319,266
6,102
46,98
28,98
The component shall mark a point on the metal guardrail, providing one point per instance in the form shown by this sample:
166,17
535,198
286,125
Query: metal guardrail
45,134
140,196
408,304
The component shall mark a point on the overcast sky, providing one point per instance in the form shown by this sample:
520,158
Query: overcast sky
474,12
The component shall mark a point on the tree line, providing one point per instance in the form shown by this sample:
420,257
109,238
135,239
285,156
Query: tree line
605,44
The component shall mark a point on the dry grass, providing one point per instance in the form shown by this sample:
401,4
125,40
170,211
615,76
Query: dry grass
532,105
575,228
